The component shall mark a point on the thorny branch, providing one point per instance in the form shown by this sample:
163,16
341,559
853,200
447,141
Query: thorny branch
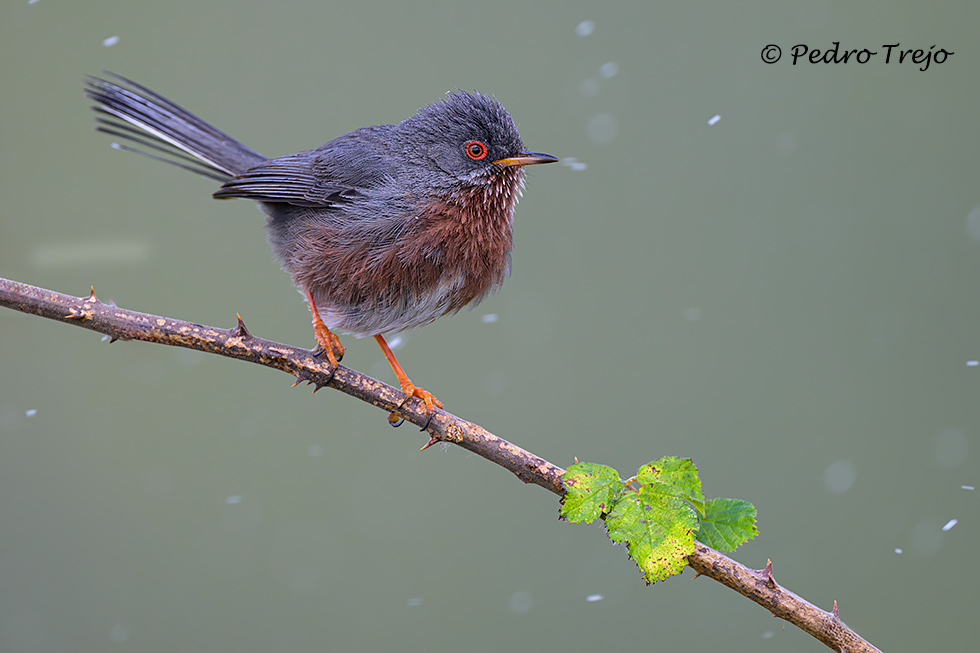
236,342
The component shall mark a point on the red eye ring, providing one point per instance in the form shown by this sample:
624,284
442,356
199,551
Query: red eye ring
475,150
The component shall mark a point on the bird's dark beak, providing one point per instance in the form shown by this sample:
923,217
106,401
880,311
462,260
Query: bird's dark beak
526,159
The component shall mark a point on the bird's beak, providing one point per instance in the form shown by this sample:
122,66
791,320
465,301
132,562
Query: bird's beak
526,159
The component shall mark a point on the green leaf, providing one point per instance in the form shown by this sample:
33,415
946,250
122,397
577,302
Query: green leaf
590,491
655,513
727,523
675,477
657,529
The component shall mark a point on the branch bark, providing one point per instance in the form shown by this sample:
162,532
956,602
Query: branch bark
236,342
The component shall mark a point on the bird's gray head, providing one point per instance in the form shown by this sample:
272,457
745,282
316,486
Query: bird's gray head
464,135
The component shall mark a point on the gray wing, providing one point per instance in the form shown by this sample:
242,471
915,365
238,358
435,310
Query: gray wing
335,173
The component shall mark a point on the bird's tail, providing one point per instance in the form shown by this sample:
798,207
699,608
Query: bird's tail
165,131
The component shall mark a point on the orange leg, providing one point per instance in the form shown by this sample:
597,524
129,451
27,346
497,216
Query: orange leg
431,403
324,337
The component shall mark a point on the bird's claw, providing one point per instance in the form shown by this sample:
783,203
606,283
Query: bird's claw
329,343
431,403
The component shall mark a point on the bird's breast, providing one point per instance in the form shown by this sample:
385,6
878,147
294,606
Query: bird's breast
451,253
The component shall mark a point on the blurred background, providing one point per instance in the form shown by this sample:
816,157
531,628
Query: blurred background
771,269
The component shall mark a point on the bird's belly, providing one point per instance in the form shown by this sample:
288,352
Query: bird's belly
396,311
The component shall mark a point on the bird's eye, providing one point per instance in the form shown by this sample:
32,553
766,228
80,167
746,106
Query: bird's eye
475,150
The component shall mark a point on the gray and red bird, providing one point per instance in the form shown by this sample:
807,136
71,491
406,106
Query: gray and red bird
383,229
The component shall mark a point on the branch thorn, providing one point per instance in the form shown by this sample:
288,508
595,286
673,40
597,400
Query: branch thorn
242,331
767,574
300,378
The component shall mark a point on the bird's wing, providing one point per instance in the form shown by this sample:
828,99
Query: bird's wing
334,173
287,179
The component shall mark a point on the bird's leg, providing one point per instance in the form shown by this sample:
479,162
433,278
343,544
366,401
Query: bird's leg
327,339
431,403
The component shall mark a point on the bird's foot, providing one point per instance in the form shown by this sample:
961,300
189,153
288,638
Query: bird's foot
431,403
328,342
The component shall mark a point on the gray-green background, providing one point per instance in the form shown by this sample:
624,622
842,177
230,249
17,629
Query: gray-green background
788,296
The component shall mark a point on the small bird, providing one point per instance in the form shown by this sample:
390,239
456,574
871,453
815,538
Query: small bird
383,229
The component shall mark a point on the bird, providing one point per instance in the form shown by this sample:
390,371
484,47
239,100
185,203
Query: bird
385,228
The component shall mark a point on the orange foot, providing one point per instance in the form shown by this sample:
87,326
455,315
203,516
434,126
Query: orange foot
431,403
412,390
327,339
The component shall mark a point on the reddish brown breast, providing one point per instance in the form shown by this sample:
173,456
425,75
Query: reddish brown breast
472,233
453,253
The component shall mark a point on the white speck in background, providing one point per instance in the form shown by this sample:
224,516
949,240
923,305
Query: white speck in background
839,476
574,164
520,602
609,69
973,223
585,28
119,633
